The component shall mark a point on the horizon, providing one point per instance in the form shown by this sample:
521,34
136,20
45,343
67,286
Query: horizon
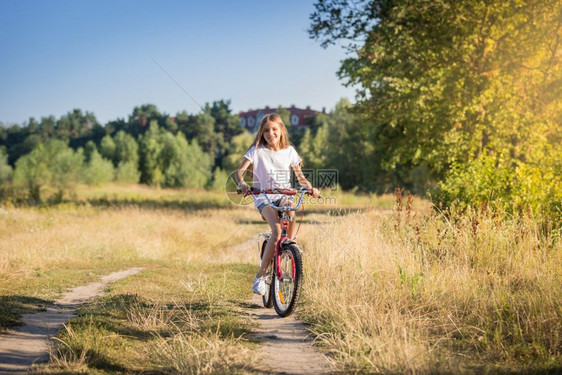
170,115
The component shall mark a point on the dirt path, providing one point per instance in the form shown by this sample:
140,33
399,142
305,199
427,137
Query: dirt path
287,346
30,343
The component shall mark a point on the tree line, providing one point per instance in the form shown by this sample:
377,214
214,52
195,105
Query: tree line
465,95
149,147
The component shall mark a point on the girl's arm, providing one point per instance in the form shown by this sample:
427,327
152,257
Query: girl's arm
239,176
304,182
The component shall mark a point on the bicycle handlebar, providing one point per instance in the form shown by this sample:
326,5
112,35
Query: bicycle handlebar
257,191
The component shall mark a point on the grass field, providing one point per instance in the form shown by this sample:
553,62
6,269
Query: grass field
403,291
471,293
179,314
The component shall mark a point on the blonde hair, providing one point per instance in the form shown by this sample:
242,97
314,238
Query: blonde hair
284,141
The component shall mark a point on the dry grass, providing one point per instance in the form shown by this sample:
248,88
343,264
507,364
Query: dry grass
178,340
404,294
79,237
193,349
78,347
192,270
385,292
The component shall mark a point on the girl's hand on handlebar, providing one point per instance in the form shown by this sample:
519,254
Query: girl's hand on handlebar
244,188
315,192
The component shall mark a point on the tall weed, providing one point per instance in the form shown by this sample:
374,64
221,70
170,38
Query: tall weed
465,291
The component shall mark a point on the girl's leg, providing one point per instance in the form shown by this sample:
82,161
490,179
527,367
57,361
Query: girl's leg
273,220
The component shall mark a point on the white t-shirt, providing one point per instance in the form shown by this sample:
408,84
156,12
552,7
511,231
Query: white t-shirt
272,169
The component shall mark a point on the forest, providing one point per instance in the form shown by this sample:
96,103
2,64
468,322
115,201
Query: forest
149,147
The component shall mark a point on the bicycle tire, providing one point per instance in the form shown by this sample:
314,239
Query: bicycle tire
266,298
286,292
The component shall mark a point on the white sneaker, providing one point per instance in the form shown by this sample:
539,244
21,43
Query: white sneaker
259,286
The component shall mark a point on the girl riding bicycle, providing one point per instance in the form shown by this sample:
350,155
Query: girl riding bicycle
272,157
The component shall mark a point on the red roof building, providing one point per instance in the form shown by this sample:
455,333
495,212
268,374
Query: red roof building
299,117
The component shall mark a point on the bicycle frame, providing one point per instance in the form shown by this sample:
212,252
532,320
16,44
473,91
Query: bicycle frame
284,220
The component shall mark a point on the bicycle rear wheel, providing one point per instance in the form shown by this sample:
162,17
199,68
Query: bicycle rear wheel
266,298
286,290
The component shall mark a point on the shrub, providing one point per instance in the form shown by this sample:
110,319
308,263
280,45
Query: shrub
510,184
219,180
51,164
127,172
99,171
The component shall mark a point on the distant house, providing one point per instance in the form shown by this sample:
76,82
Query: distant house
299,117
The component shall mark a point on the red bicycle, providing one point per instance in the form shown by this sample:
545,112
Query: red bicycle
284,274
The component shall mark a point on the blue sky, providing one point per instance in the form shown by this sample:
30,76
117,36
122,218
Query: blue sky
59,55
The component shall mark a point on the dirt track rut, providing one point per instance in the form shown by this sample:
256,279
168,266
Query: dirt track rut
287,346
30,343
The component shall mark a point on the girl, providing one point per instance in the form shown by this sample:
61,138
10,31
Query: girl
272,157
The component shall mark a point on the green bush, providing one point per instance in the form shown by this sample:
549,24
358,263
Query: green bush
52,164
185,164
66,169
218,181
99,170
509,184
32,173
127,172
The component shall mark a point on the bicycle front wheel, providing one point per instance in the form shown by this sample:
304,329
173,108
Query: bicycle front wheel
286,290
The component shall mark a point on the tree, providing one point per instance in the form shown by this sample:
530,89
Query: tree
236,150
142,117
150,146
226,126
201,164
314,149
22,140
285,115
313,123
65,166
340,142
89,149
126,149
184,164
32,173
171,153
171,125
126,158
443,83
127,172
52,164
218,182
99,170
226,123
107,147
6,174
76,127
202,128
